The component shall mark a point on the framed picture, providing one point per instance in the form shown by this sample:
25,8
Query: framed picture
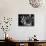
25,19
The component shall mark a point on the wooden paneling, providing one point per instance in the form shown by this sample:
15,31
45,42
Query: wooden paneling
25,44
40,44
17,44
44,44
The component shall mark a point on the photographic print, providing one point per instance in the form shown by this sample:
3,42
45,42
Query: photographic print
25,19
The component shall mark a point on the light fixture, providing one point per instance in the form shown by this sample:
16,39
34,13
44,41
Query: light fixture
36,3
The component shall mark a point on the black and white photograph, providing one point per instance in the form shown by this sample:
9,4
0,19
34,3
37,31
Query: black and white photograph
25,19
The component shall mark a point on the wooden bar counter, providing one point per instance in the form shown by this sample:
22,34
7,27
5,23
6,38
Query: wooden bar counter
27,42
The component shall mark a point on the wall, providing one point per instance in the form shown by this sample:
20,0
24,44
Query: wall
11,8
